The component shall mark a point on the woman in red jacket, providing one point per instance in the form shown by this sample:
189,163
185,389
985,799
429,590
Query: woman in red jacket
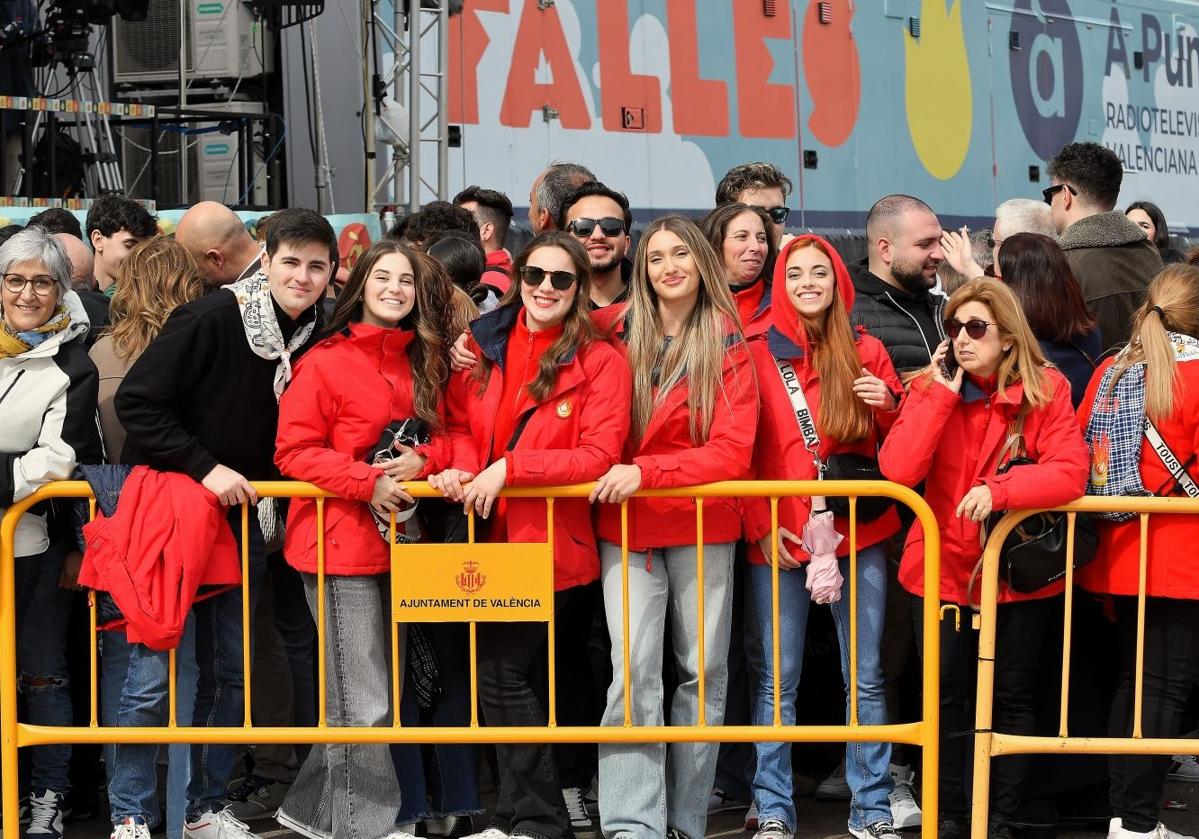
850,391
385,359
695,407
1156,376
953,433
547,404
743,237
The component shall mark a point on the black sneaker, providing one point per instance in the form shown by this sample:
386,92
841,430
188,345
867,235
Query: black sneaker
878,830
581,822
45,816
951,829
256,798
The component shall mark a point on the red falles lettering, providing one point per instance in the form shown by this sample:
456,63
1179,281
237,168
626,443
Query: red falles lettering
468,40
540,34
619,86
699,106
834,79
763,109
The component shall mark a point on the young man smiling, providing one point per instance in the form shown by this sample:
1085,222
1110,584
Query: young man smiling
203,400
600,219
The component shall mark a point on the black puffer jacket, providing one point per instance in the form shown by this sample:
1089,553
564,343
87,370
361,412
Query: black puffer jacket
909,325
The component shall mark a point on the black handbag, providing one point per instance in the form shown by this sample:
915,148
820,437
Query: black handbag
855,467
1034,554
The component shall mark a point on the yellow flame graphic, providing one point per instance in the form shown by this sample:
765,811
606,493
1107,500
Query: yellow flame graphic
937,89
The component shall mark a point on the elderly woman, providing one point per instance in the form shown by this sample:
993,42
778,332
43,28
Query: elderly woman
48,389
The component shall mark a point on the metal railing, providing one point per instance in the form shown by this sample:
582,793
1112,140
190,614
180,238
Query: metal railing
989,743
416,567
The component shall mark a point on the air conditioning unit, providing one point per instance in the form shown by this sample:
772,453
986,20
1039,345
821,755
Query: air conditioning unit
224,41
212,162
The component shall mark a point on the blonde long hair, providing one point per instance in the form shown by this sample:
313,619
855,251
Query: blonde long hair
1025,362
1172,304
157,277
697,354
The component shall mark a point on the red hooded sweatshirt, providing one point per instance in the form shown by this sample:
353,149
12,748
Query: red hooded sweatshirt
779,452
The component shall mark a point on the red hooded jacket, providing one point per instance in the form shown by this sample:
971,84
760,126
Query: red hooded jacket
1172,570
954,442
669,458
753,306
167,538
575,435
345,392
779,452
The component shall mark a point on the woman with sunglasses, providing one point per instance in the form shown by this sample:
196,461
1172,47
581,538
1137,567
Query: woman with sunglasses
384,361
989,396
742,235
547,404
48,393
695,408
851,392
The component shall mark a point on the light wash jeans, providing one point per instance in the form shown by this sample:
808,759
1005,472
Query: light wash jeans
644,789
866,764
349,791
133,691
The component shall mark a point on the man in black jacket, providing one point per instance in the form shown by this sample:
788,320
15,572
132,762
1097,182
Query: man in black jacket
895,301
203,400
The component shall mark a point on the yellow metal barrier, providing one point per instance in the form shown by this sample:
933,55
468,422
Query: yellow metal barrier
517,564
988,743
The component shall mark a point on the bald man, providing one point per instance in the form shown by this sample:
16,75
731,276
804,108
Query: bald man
217,238
83,262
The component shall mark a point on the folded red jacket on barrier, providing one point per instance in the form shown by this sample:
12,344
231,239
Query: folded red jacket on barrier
167,539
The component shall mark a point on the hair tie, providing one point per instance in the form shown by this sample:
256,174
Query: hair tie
1159,311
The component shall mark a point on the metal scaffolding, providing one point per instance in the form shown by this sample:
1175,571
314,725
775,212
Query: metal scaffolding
407,105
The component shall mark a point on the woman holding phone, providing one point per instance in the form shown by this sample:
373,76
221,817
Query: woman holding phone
384,363
547,404
988,396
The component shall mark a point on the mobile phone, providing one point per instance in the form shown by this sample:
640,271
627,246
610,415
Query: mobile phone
949,364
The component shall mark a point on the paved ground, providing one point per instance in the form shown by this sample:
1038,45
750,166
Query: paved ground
818,820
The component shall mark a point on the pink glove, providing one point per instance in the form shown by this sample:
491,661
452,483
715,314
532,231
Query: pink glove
824,579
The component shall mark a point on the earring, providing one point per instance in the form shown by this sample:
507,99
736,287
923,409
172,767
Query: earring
1007,348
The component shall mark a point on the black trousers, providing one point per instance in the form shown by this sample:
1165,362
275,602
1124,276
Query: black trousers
511,658
580,695
1021,638
1171,662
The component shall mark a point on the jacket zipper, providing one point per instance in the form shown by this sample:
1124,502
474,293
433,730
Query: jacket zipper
8,390
919,329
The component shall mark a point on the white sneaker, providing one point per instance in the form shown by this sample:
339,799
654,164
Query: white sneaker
751,818
1159,832
295,827
834,787
905,812
1113,827
489,833
217,825
1184,768
131,828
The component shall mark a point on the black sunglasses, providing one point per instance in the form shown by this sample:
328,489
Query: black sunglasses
1050,191
974,327
584,227
778,214
560,280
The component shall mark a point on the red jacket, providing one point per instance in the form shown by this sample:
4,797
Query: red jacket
498,271
574,436
668,458
345,392
779,452
1172,570
753,305
954,443
167,538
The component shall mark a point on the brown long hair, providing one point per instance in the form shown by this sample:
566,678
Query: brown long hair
431,319
698,353
843,416
157,277
1024,362
1035,268
716,224
577,329
1175,292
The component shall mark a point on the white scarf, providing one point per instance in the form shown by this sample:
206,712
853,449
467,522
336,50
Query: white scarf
262,327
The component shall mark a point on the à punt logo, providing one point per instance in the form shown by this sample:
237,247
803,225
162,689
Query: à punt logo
470,580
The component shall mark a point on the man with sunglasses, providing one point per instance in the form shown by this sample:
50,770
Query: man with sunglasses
600,219
758,185
1110,256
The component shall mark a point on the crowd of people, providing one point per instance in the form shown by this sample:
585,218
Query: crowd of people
172,372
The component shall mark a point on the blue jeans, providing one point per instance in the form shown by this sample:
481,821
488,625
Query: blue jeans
133,692
42,613
220,688
866,764
646,788
454,789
